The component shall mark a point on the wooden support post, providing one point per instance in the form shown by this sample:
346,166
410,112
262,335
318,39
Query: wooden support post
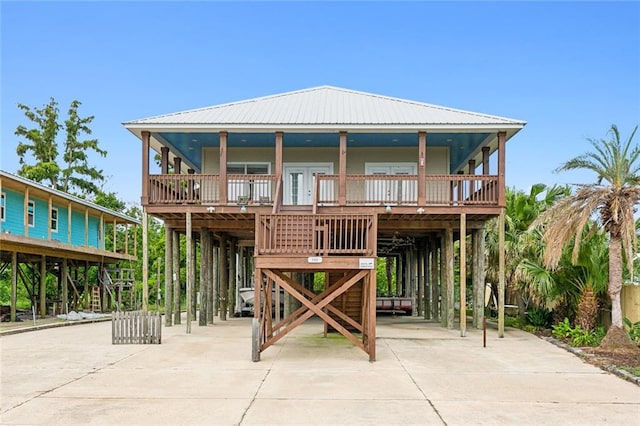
502,201
342,162
434,281
278,154
43,286
190,272
477,238
485,160
232,277
413,281
194,282
427,280
422,168
205,258
87,294
448,279
224,278
420,271
213,267
371,320
146,142
145,261
501,274
256,331
223,168
463,275
168,276
164,160
177,165
65,286
399,269
175,260
215,293
461,199
14,284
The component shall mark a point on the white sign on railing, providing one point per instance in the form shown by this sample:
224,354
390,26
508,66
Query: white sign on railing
366,263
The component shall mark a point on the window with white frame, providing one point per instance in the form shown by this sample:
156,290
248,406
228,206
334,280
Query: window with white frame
54,219
244,189
3,202
31,213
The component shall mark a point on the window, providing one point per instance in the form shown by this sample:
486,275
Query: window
242,189
248,168
31,213
3,200
54,219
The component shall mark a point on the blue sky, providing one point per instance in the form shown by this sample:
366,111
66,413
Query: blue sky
569,69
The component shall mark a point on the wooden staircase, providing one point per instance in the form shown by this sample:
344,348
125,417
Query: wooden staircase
350,303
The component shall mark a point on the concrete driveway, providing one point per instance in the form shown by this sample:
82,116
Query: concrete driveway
424,374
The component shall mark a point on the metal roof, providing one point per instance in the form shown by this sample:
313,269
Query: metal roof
68,197
326,105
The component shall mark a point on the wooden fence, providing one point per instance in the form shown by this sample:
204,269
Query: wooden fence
135,327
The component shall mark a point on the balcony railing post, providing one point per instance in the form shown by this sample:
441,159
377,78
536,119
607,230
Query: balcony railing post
501,169
223,167
342,190
146,141
422,169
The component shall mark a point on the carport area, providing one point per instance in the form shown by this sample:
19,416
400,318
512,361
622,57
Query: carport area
424,374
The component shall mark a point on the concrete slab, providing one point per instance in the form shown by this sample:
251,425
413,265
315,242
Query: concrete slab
424,374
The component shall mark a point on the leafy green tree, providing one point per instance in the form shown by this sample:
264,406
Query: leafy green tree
520,246
78,175
611,201
41,141
71,173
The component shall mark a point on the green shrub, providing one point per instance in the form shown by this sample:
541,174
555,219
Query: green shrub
540,317
515,322
562,330
587,338
633,329
576,335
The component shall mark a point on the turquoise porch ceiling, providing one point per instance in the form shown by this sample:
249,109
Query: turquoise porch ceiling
189,145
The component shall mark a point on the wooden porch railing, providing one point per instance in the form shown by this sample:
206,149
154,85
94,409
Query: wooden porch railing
448,190
314,235
205,189
403,189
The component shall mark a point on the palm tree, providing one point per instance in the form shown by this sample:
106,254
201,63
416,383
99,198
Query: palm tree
521,210
613,199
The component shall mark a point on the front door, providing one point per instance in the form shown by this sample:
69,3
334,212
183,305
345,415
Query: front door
299,181
392,191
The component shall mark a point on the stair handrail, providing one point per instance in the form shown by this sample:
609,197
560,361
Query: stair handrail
277,200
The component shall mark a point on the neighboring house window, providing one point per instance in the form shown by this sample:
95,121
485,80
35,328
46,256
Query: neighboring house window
3,201
54,219
31,213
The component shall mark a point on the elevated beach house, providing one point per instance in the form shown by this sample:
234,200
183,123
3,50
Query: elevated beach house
324,181
47,232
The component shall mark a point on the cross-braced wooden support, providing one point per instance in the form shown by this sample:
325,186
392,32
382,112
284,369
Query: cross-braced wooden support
266,333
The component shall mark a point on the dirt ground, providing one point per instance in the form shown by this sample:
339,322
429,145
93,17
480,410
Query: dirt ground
625,358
